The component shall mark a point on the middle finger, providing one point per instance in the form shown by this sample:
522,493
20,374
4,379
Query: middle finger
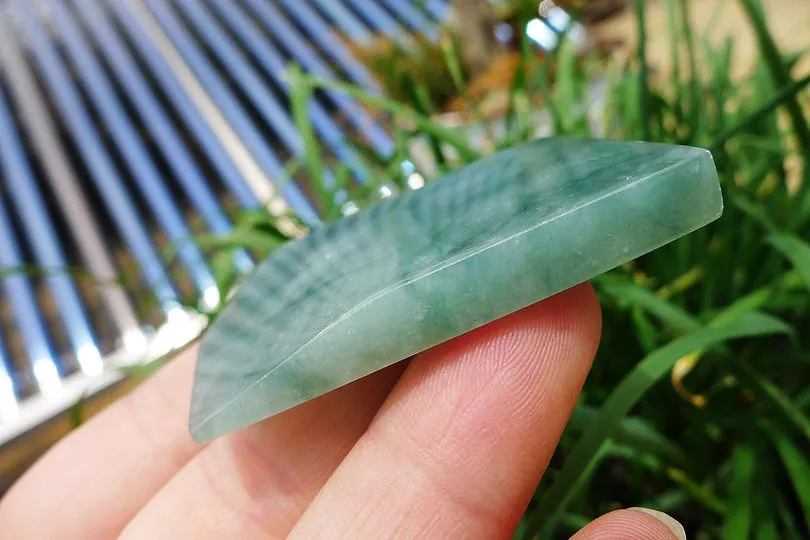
256,483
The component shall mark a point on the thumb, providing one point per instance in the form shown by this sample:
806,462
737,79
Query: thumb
635,524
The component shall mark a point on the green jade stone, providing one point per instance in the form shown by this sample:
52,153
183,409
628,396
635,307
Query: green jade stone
362,293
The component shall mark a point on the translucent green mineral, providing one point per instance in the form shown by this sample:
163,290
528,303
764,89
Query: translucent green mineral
370,290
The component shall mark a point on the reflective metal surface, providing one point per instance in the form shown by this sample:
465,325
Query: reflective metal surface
129,125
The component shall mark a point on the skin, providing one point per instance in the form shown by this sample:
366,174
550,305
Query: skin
451,445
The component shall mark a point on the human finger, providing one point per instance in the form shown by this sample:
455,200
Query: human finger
460,444
633,524
95,480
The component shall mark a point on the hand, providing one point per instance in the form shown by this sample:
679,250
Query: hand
451,445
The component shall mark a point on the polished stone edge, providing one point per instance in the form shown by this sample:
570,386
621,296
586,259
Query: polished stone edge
702,184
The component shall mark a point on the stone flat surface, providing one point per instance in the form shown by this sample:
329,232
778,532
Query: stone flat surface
365,292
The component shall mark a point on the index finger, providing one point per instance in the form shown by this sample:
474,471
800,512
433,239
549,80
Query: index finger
459,446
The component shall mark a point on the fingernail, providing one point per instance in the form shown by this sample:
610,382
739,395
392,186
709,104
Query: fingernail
671,523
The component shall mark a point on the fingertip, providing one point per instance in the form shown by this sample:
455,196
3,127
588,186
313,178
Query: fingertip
566,320
578,307
638,523
670,522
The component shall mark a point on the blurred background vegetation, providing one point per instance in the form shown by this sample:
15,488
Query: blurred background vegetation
699,401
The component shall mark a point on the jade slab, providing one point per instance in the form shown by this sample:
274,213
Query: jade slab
367,291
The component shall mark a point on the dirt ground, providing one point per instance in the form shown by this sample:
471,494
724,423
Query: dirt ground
789,21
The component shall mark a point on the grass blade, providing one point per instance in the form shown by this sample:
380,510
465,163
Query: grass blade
646,333
775,396
797,252
634,432
779,73
789,526
403,112
675,58
33,270
77,413
642,377
582,478
694,81
300,99
224,270
643,75
756,211
781,98
738,517
248,239
453,61
624,291
763,501
747,304
688,487
798,470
